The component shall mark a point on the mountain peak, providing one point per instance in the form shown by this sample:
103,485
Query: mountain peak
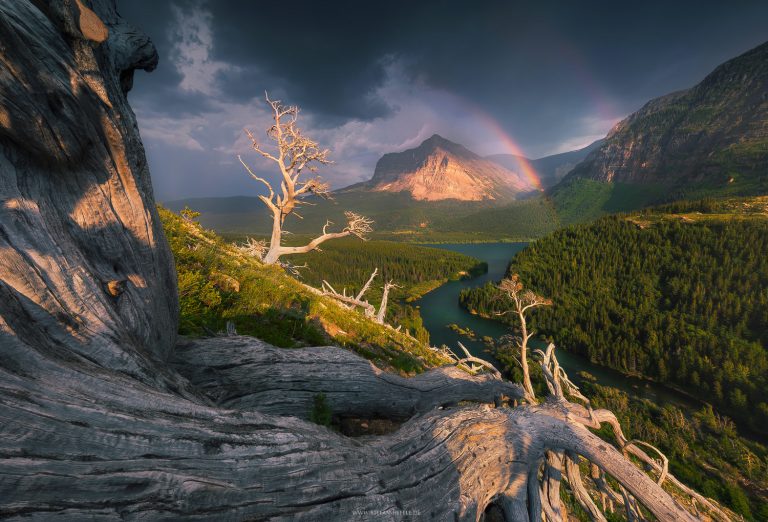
438,142
440,169
436,139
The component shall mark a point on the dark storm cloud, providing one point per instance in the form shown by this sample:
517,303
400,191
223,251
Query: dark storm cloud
511,58
328,53
553,74
165,97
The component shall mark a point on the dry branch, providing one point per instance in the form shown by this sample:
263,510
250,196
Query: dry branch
295,152
357,301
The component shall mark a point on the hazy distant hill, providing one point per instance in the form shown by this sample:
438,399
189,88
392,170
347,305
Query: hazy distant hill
440,169
711,139
551,169
396,216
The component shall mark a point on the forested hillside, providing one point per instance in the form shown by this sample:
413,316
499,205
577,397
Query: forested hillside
417,269
679,294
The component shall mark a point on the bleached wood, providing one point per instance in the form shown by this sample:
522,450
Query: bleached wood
522,301
245,373
294,153
357,301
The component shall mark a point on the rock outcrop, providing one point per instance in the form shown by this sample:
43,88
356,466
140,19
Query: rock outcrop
439,169
712,135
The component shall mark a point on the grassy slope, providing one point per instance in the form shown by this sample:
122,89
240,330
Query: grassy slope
348,263
580,200
272,306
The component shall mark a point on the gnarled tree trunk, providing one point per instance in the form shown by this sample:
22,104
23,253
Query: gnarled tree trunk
85,271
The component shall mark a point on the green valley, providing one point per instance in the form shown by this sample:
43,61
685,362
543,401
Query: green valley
396,216
678,294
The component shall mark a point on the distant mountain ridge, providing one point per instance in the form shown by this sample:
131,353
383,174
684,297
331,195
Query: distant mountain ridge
710,138
495,208
550,169
440,169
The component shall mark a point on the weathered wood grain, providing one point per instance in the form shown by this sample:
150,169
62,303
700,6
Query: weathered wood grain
76,205
244,373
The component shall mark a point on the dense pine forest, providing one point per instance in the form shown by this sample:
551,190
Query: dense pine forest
417,269
680,298
348,263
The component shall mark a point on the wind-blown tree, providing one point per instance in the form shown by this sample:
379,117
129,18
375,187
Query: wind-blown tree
522,301
294,155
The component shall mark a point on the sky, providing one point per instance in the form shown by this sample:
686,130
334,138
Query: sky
529,78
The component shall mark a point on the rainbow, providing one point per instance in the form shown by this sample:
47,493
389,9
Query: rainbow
512,147
495,129
583,74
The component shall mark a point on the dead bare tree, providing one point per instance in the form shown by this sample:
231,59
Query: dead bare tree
357,301
254,248
382,313
469,362
522,301
295,153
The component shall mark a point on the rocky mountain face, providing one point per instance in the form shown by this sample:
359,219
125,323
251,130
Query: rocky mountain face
550,169
439,169
714,134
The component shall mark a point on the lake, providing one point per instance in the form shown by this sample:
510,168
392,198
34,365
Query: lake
440,307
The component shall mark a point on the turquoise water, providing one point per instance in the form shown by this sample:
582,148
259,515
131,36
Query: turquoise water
440,308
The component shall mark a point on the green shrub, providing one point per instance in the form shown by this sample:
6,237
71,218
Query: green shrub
321,411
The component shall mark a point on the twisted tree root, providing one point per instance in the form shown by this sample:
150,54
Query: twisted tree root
245,373
118,447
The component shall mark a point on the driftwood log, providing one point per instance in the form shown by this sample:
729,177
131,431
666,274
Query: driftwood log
101,420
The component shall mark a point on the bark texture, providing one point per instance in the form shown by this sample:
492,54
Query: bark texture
245,373
85,272
109,447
